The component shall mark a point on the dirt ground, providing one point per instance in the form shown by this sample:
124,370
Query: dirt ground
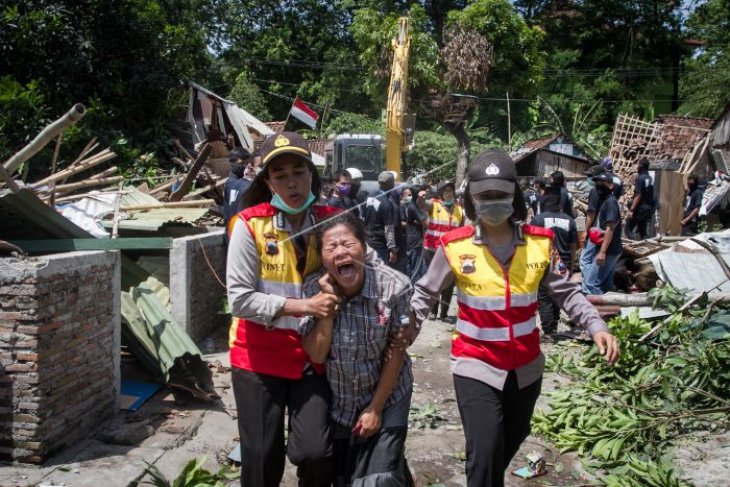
168,434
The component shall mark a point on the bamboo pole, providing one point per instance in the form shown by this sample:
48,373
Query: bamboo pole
90,194
172,204
9,179
205,189
44,137
117,204
64,188
105,173
162,187
182,150
92,145
102,156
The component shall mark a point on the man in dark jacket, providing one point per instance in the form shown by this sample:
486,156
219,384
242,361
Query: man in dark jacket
565,242
692,204
239,160
642,203
381,218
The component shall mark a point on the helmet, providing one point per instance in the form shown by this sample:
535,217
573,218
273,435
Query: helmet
354,173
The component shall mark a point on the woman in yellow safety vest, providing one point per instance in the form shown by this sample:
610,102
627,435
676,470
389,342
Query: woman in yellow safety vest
271,250
444,215
498,264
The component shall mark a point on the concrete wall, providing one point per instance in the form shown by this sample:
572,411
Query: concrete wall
60,337
195,293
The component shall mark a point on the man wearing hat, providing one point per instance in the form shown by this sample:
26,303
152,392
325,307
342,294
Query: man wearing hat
603,247
381,219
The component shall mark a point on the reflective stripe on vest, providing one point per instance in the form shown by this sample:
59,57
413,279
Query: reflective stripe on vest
440,222
496,319
496,303
496,334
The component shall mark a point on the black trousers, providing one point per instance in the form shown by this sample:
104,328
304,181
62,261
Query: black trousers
639,224
549,312
495,425
261,401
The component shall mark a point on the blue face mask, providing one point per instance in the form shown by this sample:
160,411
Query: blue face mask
279,204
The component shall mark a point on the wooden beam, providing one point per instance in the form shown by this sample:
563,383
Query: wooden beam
205,189
63,188
94,160
192,173
175,204
5,175
44,137
72,244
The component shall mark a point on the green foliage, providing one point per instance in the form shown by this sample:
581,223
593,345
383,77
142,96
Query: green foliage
373,33
623,418
704,87
128,61
22,114
354,123
518,55
193,475
247,95
427,416
433,149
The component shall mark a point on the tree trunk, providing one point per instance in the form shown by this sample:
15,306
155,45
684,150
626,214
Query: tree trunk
463,152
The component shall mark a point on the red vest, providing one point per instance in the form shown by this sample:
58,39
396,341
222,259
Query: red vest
276,351
496,320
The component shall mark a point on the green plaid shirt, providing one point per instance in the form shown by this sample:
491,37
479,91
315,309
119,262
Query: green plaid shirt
361,333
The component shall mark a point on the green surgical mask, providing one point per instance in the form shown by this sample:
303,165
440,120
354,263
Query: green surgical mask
279,204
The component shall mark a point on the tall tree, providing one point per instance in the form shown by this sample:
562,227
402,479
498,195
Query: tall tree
704,86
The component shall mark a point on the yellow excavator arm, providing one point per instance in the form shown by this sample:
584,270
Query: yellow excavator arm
395,133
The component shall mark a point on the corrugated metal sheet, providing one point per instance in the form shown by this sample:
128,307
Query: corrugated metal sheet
153,220
688,265
160,339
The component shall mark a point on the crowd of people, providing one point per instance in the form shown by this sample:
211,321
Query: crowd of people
329,285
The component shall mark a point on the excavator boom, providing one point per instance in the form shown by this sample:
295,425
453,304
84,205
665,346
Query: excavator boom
395,132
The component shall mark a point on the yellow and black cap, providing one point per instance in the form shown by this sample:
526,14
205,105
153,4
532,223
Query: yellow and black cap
284,143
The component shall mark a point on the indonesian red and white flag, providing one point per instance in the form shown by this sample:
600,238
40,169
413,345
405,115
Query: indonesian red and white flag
303,113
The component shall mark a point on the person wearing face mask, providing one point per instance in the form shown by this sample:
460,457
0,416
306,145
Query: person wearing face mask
272,249
340,197
498,265
604,243
444,215
692,204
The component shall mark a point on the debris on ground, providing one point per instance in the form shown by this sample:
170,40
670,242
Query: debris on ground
624,420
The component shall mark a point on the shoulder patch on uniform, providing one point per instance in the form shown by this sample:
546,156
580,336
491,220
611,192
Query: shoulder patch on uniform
537,231
457,234
260,210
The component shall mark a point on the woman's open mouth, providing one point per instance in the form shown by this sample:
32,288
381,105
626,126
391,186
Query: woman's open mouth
346,270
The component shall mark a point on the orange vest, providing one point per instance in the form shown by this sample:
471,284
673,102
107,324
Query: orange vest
496,319
441,221
276,351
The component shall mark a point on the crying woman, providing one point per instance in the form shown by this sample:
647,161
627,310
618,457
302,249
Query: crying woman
371,393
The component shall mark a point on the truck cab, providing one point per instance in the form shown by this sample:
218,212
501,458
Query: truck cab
362,151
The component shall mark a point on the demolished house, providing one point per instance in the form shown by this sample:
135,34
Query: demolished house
553,153
93,269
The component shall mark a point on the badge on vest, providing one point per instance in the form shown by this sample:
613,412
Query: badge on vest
467,263
272,245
